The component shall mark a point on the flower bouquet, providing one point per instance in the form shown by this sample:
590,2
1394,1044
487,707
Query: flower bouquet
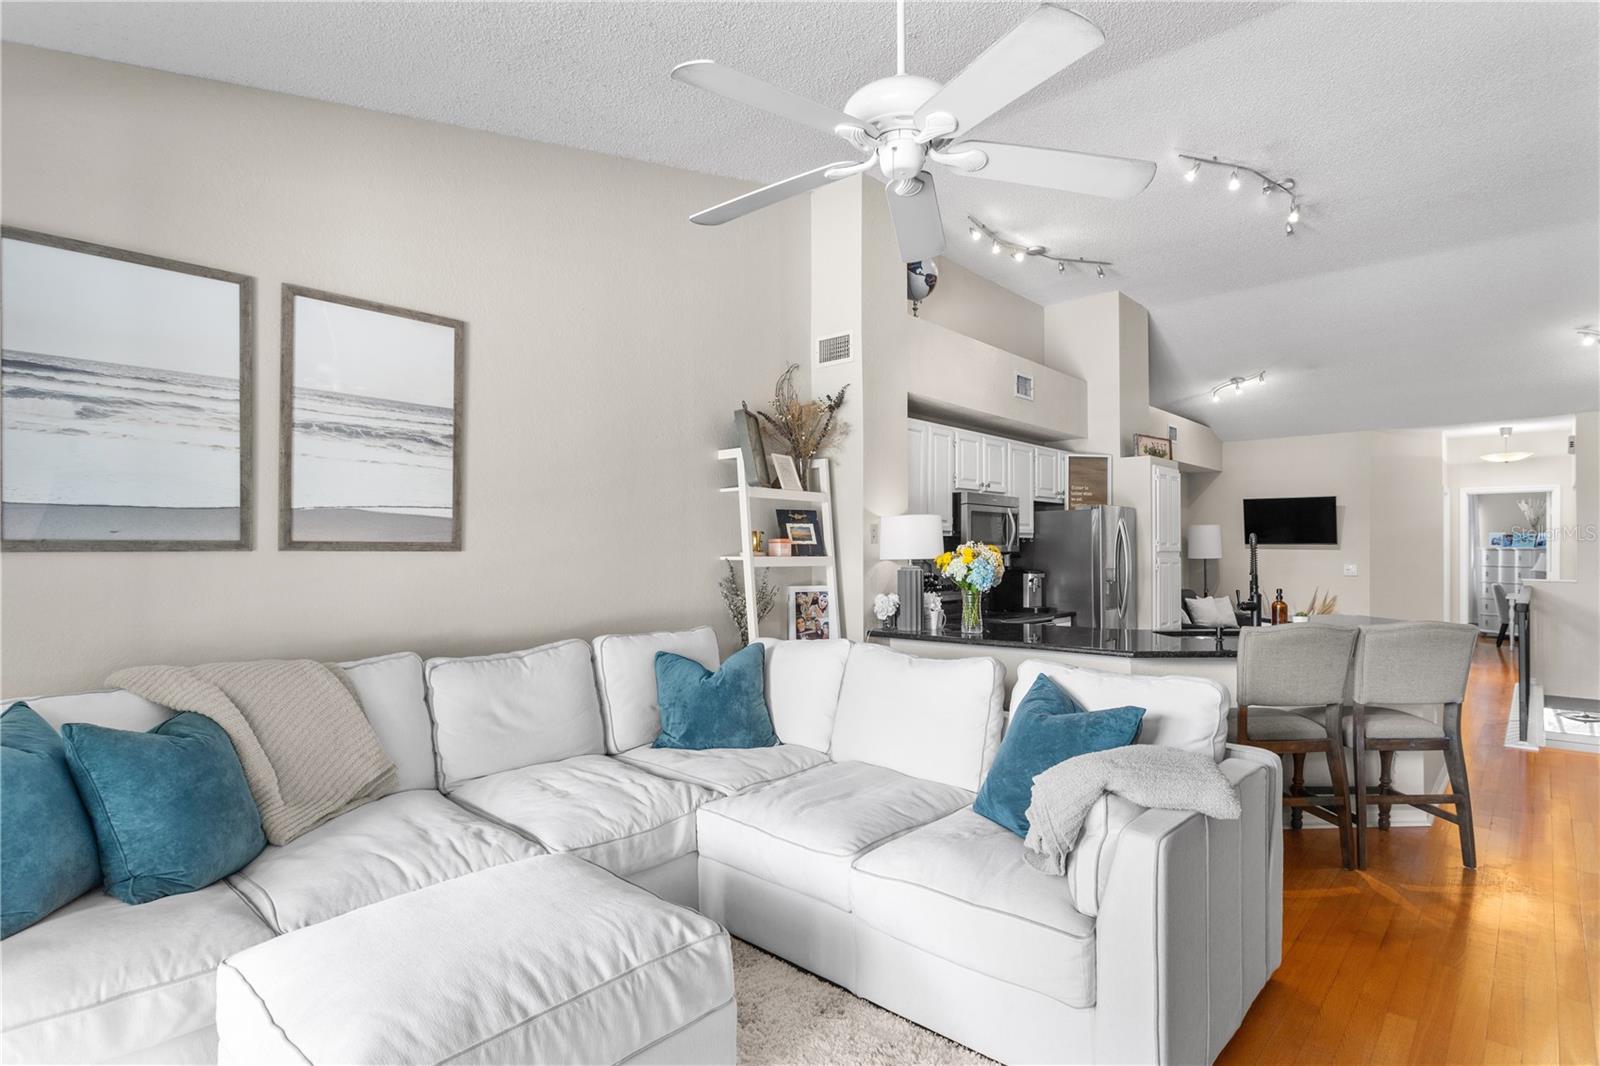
974,568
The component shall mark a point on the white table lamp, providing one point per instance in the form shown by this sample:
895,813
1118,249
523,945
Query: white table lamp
1205,544
910,537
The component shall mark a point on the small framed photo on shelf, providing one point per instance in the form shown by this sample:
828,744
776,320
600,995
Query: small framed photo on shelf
1155,447
788,473
803,528
810,613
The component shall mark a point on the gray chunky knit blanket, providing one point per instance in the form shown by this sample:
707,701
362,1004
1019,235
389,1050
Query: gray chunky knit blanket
307,748
1151,776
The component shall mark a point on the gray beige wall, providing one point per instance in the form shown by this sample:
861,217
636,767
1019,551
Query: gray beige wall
1390,493
608,342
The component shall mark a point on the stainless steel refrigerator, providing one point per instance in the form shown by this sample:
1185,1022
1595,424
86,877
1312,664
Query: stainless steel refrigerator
1087,557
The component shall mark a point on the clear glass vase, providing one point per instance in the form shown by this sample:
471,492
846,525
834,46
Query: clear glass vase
971,612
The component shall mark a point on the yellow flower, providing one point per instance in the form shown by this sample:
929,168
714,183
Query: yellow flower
966,554
943,561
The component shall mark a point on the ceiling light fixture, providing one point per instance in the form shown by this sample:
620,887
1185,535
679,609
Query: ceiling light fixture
1588,336
1023,252
977,234
1238,384
1269,184
1505,455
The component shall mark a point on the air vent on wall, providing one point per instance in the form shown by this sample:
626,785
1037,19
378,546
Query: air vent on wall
839,348
1024,387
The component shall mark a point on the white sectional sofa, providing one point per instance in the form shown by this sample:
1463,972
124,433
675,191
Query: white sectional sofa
850,849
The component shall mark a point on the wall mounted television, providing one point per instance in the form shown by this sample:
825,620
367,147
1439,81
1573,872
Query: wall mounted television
1292,520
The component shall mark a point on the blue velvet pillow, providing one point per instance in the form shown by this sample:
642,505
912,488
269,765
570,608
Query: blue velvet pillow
47,849
171,809
726,709
1048,727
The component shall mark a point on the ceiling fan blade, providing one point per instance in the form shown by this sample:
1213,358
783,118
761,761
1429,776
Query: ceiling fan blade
729,210
753,92
1056,168
917,225
1045,43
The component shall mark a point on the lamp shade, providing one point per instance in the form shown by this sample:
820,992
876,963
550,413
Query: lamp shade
910,536
1205,542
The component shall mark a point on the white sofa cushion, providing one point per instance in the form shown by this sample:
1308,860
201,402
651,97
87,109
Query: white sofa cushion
615,815
544,960
499,712
100,980
400,843
726,770
112,708
626,666
804,831
390,690
803,681
931,718
1089,862
961,889
1190,713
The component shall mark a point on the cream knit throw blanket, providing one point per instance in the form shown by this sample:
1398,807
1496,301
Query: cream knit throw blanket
307,748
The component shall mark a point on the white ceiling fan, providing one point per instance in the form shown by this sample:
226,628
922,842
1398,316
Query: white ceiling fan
903,123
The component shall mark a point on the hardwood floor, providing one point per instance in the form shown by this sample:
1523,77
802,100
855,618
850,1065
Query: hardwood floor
1416,959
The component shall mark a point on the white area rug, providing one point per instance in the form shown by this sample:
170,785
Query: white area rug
788,1016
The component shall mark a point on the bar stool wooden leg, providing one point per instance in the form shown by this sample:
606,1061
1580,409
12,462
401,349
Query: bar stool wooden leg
1297,787
1341,792
1385,785
1455,762
1358,815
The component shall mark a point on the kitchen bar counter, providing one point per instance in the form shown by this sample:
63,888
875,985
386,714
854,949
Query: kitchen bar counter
1124,643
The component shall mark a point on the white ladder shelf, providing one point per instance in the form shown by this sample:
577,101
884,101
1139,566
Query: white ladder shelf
822,499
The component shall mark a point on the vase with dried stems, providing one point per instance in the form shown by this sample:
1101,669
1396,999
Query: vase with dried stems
806,428
733,598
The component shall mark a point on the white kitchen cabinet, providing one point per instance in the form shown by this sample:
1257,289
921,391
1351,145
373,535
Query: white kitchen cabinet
918,487
1167,591
1020,461
1049,466
1167,505
941,475
996,465
968,463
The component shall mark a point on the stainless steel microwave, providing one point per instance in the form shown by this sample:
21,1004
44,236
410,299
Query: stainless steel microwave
987,517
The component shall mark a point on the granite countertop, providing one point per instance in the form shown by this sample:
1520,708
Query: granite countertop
1131,643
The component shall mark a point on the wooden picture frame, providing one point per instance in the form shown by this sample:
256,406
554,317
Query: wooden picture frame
747,427
104,399
398,515
1155,447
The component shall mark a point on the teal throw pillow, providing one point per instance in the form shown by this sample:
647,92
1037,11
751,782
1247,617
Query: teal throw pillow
47,848
171,808
1048,727
725,709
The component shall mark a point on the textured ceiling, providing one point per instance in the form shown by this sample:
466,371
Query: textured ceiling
1448,154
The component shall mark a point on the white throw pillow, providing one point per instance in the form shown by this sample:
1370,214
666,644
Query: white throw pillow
1211,611
504,712
803,681
391,693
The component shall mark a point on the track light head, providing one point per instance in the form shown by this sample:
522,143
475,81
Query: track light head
1588,337
1061,268
1238,386
1233,182
994,248
975,232
1019,255
1288,229
1294,211
1099,271
1192,173
1216,397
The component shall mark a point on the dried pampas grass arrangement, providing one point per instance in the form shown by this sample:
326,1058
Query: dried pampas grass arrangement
806,428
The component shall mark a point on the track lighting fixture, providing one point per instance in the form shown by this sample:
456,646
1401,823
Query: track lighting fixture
1269,184
1237,385
1021,253
1588,336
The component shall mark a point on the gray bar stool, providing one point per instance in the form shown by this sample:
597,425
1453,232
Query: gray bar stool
1287,675
1411,663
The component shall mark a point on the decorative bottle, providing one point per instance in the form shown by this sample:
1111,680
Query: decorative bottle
1280,610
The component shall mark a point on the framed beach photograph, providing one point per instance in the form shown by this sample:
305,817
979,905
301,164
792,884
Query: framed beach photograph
810,613
127,399
371,416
